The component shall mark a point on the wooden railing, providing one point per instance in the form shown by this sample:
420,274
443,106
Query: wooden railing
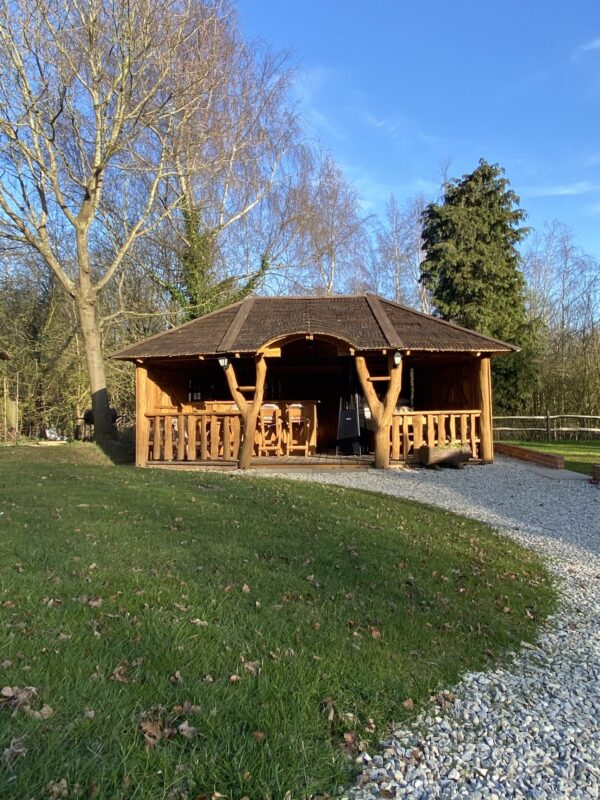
201,436
411,430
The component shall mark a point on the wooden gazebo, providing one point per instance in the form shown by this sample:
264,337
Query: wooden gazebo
271,377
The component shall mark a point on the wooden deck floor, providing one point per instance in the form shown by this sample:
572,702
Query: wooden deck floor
316,462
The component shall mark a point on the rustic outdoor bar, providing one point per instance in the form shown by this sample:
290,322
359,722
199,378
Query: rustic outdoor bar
335,380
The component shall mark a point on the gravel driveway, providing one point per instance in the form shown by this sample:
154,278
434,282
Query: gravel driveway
530,730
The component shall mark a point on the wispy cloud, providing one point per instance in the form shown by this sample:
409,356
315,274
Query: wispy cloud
561,190
586,47
309,87
401,128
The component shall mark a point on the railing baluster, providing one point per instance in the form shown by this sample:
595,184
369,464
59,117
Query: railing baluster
396,422
192,422
474,436
203,439
156,439
168,455
180,438
214,437
226,439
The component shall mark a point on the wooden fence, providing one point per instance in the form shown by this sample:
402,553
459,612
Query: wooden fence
548,427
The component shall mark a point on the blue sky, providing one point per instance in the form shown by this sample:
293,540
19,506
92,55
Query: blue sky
395,90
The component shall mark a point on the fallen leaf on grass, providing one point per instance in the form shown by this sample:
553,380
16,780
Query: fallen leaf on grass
375,632
51,602
94,602
208,679
259,736
119,674
246,589
253,667
45,713
201,622
57,789
175,678
234,679
152,732
15,749
185,729
6,664
8,604
408,704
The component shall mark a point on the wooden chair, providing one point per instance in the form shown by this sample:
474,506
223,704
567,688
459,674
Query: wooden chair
298,429
270,430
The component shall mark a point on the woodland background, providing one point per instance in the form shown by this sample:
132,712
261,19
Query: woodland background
210,186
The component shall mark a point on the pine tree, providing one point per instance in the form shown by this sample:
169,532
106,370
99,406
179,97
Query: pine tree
472,270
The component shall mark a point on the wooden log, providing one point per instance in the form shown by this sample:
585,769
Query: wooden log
180,437
142,423
484,396
168,439
192,424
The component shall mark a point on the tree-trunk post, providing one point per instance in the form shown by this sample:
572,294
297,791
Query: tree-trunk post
142,423
381,412
103,425
248,410
484,392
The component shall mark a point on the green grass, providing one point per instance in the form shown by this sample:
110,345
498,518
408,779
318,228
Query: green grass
349,603
579,456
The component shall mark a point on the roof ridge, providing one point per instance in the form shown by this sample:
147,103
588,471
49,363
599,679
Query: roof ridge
236,325
389,332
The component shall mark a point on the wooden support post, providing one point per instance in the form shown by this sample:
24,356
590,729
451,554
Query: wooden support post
142,423
248,409
381,412
484,397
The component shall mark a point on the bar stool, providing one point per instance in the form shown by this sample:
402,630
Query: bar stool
271,430
298,429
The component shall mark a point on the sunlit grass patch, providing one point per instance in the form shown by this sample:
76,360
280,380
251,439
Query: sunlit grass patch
198,633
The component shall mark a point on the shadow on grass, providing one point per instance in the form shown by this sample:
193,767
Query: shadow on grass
119,452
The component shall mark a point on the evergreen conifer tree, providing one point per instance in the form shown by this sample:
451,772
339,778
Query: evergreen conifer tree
472,270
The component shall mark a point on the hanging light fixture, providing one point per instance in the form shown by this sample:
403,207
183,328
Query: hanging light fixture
397,357
224,362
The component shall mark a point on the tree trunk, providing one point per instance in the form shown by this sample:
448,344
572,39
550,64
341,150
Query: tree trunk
382,447
103,426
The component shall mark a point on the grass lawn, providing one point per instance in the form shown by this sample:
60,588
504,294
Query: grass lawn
579,456
199,633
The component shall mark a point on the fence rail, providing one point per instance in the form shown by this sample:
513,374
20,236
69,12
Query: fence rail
548,427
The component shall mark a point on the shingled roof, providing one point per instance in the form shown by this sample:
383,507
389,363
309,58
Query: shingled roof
365,322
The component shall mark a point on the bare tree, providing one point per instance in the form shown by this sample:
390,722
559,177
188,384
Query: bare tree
400,253
95,99
329,248
564,297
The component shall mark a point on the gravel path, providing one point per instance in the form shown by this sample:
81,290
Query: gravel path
530,730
